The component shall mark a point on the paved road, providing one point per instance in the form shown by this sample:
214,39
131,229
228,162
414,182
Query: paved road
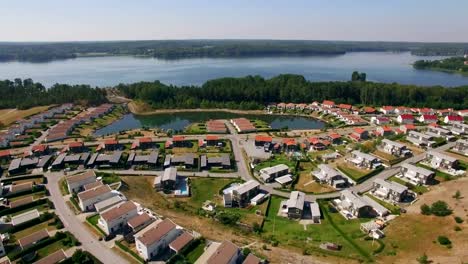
77,228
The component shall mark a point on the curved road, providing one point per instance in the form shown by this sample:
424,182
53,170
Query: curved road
76,227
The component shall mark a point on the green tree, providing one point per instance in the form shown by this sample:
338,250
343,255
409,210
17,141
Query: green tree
440,208
426,209
423,259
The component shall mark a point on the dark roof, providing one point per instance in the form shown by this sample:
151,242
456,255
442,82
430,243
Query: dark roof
155,233
33,238
181,241
223,254
53,258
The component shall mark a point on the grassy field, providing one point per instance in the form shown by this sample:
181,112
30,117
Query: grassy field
352,171
108,178
306,182
275,160
206,189
291,233
196,128
8,116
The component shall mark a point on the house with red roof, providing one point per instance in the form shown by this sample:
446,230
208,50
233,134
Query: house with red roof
384,131
181,142
5,155
40,150
76,147
318,144
334,138
405,119
359,134
428,119
289,144
380,120
453,119
426,111
368,110
387,110
328,104
212,140
407,128
402,110
261,140
346,107
111,145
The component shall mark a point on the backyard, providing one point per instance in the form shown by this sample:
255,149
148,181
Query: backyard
306,182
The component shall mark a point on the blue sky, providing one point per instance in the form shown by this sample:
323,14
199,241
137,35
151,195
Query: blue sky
390,20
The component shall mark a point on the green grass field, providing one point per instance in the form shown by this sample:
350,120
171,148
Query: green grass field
193,255
275,160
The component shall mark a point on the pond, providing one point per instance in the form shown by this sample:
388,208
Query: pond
180,120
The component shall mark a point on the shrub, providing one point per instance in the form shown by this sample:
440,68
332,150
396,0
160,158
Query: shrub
457,228
246,251
423,259
443,240
440,208
426,209
458,219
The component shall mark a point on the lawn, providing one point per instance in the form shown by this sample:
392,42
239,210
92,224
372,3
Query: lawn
353,172
440,176
41,208
108,178
35,196
306,182
49,249
196,128
385,155
193,255
63,186
93,220
291,233
275,160
203,189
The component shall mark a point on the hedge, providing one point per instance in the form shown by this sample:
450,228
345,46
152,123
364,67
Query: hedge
35,189
126,249
22,207
58,236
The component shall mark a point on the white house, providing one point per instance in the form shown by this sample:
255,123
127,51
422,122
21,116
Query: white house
327,175
389,190
437,131
116,218
76,183
419,139
428,119
416,175
394,148
439,160
405,119
387,110
461,146
363,160
155,238
270,173
459,129
352,205
453,119
241,194
295,205
88,198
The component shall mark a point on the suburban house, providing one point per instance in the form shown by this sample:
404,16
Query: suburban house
261,140
363,160
295,205
115,218
406,128
104,160
380,120
289,144
459,129
70,159
243,125
220,253
108,203
387,110
416,175
110,145
419,139
88,198
384,131
328,104
222,161
401,110
167,181
139,222
438,132
439,160
181,242
240,195
405,119
315,212
144,143
428,119
334,138
270,173
327,175
316,143
461,146
76,183
359,134
155,238
186,160
32,239
353,205
395,148
149,160
76,147
389,190
453,119
216,126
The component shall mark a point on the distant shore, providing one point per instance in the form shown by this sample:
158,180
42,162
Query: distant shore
135,109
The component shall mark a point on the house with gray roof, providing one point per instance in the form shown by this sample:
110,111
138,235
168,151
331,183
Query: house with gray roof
363,160
394,148
438,160
270,173
389,190
327,175
240,195
416,175
461,146
295,205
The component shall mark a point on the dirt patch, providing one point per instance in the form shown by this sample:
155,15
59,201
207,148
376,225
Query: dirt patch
8,116
412,234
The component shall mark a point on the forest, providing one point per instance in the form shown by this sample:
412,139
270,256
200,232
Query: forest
23,94
255,92
454,64
176,49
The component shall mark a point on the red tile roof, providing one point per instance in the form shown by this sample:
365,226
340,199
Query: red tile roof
289,141
39,148
178,138
455,118
212,137
111,142
328,102
181,241
75,144
359,130
4,153
263,138
145,140
406,117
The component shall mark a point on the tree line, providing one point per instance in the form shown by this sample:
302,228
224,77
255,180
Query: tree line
175,49
450,64
254,92
23,94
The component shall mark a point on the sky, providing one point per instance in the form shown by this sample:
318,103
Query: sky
363,20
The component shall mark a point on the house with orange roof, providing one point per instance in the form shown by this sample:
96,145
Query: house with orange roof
289,144
359,134
328,104
261,140
334,138
387,110
346,107
384,131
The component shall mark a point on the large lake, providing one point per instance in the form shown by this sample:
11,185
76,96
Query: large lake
108,71
180,120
